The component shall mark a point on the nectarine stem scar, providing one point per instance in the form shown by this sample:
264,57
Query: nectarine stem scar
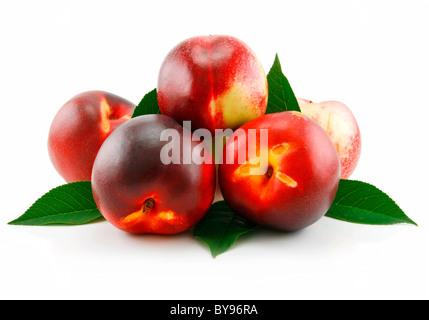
270,172
148,204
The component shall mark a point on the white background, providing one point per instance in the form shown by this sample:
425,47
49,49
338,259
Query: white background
371,55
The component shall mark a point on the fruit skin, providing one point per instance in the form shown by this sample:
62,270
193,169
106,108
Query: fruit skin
302,101
216,82
128,172
302,177
340,124
79,129
217,144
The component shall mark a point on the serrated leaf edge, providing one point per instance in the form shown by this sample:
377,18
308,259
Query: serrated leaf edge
406,219
78,184
276,77
138,107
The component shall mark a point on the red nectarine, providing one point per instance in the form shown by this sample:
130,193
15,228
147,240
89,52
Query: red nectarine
79,129
301,177
138,192
216,82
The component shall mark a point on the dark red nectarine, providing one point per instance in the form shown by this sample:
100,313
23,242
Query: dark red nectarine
144,182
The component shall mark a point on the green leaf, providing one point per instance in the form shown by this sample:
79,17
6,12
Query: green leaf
69,204
361,202
280,94
148,105
221,227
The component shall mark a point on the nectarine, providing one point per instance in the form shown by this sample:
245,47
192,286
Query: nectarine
79,129
216,82
301,177
340,124
137,192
